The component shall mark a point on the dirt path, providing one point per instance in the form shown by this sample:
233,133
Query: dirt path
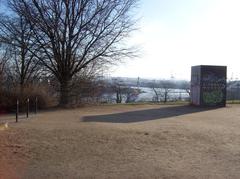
127,141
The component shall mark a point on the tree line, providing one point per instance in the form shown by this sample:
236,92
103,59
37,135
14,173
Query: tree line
66,42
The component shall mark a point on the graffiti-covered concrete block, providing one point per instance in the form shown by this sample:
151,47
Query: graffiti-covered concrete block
208,85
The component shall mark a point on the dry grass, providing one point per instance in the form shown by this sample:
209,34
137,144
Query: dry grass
129,141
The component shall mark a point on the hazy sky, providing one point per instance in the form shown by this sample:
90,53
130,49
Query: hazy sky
176,34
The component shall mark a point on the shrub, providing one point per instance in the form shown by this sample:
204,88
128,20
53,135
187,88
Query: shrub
8,98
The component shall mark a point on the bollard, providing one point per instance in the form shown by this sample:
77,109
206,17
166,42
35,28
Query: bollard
27,107
36,101
17,110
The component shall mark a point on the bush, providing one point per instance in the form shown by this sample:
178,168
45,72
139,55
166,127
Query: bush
8,98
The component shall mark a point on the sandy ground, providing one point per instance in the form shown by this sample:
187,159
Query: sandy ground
126,141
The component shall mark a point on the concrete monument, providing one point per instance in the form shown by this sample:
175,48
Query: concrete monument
208,85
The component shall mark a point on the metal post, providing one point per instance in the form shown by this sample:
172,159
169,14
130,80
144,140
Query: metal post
27,107
36,105
17,110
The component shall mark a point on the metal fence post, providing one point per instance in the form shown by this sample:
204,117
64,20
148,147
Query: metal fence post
27,107
17,110
36,105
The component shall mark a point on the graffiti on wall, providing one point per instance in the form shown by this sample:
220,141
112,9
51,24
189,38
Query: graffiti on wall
213,89
213,97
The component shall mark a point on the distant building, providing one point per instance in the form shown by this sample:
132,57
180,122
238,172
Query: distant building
208,85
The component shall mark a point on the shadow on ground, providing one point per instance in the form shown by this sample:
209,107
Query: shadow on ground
145,115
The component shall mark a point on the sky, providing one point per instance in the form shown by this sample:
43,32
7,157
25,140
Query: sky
174,35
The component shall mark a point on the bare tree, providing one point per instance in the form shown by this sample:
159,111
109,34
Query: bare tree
3,63
166,88
87,86
131,94
16,34
155,89
162,89
123,92
117,88
72,34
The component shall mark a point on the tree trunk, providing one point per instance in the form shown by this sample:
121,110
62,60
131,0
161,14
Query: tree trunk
64,93
117,97
21,88
165,96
